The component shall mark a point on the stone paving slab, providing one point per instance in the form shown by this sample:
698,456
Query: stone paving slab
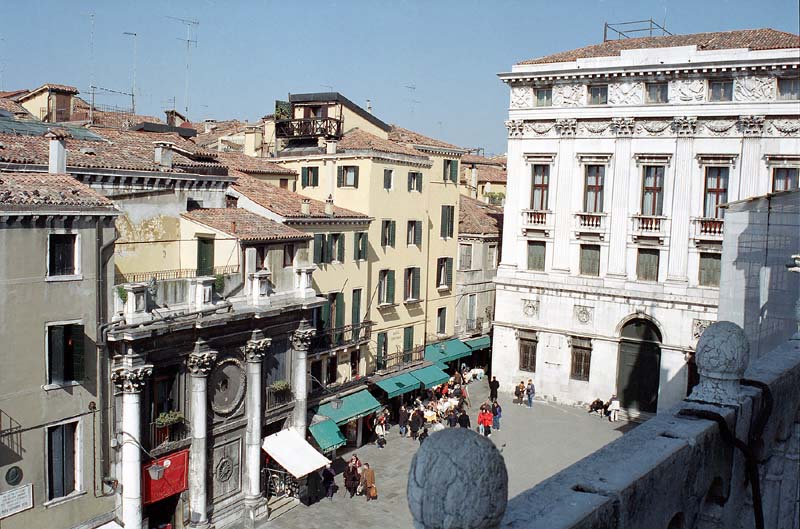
536,443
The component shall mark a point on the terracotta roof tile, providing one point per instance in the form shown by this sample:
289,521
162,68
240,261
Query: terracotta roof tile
107,118
251,164
481,160
286,203
475,217
491,173
49,192
13,107
409,137
753,39
244,224
359,140
221,128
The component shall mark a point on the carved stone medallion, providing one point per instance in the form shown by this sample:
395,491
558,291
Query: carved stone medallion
530,307
226,386
583,314
568,95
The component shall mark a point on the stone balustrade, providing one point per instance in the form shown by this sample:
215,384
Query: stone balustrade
690,468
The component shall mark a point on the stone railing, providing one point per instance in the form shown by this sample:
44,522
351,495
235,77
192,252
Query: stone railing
728,457
708,228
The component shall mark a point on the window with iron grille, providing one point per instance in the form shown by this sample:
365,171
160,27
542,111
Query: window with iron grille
716,191
539,187
709,271
527,352
647,264
590,260
581,358
593,194
784,178
653,190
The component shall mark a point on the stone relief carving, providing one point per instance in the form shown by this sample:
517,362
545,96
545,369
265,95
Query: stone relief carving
754,88
226,386
583,314
200,363
625,93
719,127
623,126
698,326
131,379
255,350
568,95
540,128
530,308
652,128
566,127
594,127
751,125
686,91
516,127
722,356
521,97
684,125
785,127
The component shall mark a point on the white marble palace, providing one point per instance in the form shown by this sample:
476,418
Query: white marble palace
621,156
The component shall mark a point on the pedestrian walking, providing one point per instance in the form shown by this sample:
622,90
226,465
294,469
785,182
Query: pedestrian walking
485,420
519,392
417,421
452,419
463,420
530,392
497,413
494,385
368,483
329,481
380,432
423,436
351,478
480,419
402,421
613,408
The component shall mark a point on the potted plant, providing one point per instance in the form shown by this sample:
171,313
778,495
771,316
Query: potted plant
280,386
168,418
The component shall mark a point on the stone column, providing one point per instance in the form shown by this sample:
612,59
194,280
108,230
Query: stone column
618,245
301,341
684,127
130,380
254,352
199,364
564,221
751,128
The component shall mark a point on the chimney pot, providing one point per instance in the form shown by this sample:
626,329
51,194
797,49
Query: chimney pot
163,153
305,207
57,160
329,206
233,226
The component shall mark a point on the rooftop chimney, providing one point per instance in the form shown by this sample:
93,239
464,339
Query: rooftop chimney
330,146
163,153
57,162
253,139
233,226
329,206
305,207
369,106
209,125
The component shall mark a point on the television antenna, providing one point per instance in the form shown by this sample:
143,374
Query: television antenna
188,22
133,84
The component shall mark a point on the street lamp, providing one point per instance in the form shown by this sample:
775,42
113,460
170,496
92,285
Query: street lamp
156,470
337,402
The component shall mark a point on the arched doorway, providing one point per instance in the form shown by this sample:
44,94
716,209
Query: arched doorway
639,366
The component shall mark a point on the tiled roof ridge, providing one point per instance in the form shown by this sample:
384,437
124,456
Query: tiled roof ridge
403,135
358,139
244,224
37,190
476,217
753,39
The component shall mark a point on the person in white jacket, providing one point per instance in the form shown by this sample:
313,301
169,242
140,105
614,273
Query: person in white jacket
613,408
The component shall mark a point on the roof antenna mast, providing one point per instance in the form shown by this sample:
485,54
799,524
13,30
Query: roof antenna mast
188,22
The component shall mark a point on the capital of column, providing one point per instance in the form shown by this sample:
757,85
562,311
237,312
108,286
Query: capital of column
301,339
684,125
255,349
200,363
751,126
131,379
623,127
566,127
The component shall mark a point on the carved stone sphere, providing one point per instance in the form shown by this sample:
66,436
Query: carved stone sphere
457,480
723,351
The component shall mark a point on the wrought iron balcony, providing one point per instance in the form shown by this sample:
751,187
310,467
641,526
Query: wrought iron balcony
162,436
278,398
400,359
342,336
708,228
474,325
308,128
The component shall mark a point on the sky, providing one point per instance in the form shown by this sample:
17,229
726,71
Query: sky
427,65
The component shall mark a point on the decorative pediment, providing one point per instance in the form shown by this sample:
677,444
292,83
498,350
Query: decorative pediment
653,158
717,159
547,158
594,158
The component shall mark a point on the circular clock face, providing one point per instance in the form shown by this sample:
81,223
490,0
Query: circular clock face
226,386
13,475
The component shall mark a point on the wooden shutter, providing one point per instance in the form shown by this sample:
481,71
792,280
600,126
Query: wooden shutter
304,177
590,260
55,468
387,178
326,314
314,176
339,176
445,170
339,309
392,229
418,233
364,245
449,268
410,180
419,182
78,370
408,338
328,257
381,346
340,252
407,287
55,336
390,286
454,171
355,176
443,226
415,283
355,309
319,243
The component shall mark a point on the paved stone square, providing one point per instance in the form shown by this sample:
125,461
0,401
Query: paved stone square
536,444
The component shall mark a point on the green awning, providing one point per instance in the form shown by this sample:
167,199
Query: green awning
447,351
398,384
441,365
327,435
353,406
478,343
430,376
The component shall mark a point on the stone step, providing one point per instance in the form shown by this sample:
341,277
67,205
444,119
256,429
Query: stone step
280,506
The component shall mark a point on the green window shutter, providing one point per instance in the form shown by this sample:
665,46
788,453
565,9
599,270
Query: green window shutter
356,245
314,176
340,253
449,266
452,218
55,347
339,176
392,230
381,346
454,171
319,242
406,287
304,177
408,338
328,257
418,233
419,183
384,233
78,362
355,177
326,314
364,245
387,178
443,225
339,309
410,181
355,309
390,286
415,284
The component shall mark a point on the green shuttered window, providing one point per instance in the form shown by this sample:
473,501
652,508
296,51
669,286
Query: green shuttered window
447,223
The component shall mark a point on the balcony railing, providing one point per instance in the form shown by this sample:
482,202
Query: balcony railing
335,387
276,399
308,128
159,275
400,358
708,228
533,217
591,221
648,223
279,484
163,435
342,336
474,325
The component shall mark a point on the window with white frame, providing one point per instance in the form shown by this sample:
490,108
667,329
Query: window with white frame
444,272
415,181
491,257
593,190
386,287
62,460
441,320
539,186
63,255
411,284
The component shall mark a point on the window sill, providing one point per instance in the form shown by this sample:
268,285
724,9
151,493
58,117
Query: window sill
64,499
68,384
572,379
386,305
57,279
443,288
412,300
